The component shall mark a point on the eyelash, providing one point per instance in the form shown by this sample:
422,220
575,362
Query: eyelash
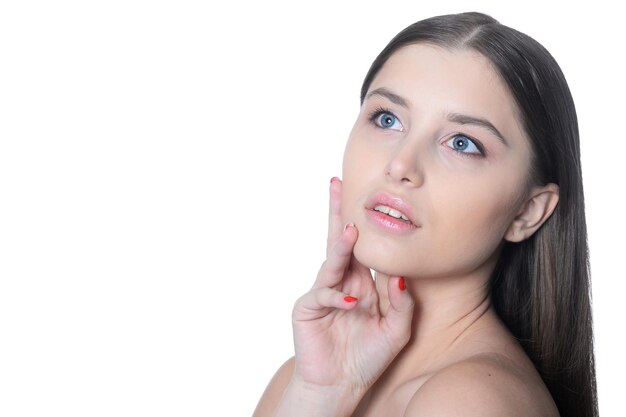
377,112
373,115
477,143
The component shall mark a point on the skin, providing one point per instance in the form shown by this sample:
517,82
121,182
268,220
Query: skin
436,348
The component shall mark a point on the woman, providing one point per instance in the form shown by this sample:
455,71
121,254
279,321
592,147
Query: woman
462,190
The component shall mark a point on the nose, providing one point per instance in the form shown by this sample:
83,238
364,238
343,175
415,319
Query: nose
404,167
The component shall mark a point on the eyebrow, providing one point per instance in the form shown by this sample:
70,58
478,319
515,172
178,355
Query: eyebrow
394,98
464,119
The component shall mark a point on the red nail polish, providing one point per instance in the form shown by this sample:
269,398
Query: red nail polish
402,284
350,298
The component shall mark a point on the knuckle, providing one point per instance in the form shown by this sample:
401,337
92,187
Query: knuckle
404,337
297,303
323,268
316,297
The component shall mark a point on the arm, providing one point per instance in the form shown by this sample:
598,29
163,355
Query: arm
305,400
296,400
275,390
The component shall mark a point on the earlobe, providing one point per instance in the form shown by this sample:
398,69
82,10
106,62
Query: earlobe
536,210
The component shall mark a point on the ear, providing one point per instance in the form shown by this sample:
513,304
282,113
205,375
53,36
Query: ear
536,210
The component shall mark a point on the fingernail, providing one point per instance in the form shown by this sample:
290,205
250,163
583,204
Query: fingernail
334,179
346,226
350,298
402,284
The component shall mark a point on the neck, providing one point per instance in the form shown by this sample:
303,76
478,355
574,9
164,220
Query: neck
447,311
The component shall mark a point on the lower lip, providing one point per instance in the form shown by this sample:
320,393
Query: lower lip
388,223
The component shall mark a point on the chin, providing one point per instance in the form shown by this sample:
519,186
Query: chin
378,258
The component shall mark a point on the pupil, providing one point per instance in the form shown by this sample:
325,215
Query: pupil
461,143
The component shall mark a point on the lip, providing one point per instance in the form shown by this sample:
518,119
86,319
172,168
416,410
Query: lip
394,202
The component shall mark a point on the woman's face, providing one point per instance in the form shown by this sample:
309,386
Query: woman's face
438,130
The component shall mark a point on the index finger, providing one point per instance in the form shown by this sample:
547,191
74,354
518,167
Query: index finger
335,228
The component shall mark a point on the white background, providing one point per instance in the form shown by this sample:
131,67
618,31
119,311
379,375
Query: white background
164,168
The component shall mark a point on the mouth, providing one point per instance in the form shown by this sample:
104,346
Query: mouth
396,214
391,214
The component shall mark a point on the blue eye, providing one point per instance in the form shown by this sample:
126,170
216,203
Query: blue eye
386,120
463,144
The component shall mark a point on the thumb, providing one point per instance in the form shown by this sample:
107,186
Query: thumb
400,313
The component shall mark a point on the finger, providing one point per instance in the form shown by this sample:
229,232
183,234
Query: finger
382,288
319,302
400,312
359,278
359,268
334,267
335,228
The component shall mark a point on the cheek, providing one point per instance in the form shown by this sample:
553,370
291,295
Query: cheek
472,221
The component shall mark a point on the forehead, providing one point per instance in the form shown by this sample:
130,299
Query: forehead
431,78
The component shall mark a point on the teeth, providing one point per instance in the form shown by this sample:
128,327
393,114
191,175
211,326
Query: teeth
393,213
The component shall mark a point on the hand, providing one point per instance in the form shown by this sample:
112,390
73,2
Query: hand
339,341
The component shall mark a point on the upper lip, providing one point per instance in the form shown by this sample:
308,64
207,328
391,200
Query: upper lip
392,201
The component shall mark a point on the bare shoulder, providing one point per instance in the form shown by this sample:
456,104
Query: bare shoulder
483,385
275,389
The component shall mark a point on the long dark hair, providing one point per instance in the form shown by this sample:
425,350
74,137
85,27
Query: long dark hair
540,287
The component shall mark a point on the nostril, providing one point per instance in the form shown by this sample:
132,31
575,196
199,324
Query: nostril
403,173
